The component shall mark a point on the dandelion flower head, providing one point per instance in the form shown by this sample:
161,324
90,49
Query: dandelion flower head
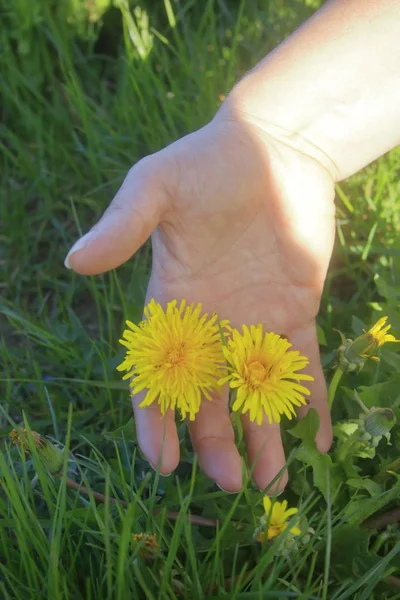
21,439
264,373
379,333
148,545
277,515
176,355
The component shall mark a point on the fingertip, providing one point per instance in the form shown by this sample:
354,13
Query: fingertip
165,467
270,484
266,456
324,437
157,436
71,261
221,461
163,458
306,341
98,253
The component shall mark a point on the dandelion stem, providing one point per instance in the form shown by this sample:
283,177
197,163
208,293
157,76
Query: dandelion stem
174,516
333,385
360,403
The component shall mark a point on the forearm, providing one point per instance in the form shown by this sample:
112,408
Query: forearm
332,89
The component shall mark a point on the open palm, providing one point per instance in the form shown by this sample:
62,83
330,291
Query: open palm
245,225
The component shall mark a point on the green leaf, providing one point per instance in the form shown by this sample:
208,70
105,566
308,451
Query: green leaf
392,359
357,325
322,466
381,394
373,488
125,433
307,428
307,453
390,293
359,510
350,556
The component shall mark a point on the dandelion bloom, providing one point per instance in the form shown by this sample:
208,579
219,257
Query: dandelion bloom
379,333
176,355
277,519
264,372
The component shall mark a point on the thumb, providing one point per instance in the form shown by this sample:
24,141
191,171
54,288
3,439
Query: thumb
127,223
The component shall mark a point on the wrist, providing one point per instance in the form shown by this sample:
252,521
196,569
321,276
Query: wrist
290,130
332,89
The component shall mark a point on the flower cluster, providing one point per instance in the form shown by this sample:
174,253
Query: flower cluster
178,356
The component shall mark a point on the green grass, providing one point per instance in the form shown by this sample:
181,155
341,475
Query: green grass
84,95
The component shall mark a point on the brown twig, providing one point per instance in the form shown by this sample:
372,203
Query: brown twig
230,582
174,516
393,581
385,472
391,516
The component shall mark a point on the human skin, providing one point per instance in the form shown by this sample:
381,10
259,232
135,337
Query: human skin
241,212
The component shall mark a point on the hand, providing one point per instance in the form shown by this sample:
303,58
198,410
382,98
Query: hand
245,225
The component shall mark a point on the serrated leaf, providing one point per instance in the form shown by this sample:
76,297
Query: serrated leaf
364,483
350,556
359,510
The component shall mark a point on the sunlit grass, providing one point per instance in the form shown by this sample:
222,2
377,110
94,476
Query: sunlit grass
84,97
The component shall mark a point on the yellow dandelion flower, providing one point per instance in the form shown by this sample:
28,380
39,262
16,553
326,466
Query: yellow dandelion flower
148,545
264,372
379,333
277,515
176,355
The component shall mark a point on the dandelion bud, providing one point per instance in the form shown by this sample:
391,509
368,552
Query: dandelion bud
50,455
348,358
363,346
380,421
353,353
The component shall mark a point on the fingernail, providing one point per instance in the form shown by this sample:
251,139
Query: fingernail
273,494
79,245
158,472
226,491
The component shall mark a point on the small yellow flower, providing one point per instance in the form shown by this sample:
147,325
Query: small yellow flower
264,372
21,439
148,545
277,519
176,355
380,335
